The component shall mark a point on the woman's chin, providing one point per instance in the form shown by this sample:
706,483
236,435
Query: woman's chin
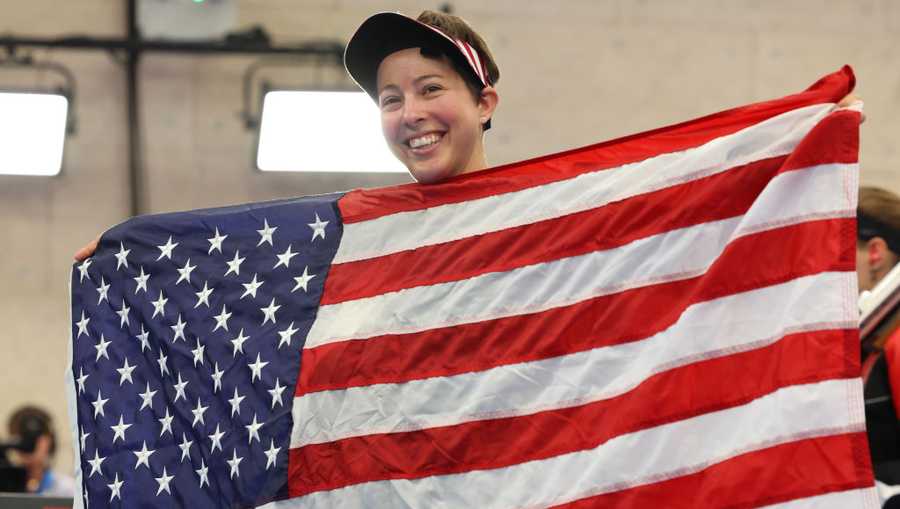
427,175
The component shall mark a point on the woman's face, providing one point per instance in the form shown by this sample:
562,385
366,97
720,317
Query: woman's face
429,118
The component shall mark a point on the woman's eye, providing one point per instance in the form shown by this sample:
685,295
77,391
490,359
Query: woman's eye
431,88
387,101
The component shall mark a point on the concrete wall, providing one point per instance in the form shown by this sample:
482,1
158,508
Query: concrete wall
573,73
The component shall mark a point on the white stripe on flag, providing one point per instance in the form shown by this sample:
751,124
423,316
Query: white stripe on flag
667,451
862,498
407,230
677,254
709,329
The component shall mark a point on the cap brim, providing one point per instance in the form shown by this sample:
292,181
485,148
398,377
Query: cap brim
379,36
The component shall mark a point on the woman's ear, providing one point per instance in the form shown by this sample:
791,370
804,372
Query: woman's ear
487,103
876,253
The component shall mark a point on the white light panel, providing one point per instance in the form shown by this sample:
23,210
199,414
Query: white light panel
32,133
322,132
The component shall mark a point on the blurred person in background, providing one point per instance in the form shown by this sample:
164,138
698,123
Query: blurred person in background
878,251
33,446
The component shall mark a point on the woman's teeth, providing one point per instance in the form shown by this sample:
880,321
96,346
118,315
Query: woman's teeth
422,141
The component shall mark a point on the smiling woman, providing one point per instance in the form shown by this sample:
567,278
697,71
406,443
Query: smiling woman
429,119
432,79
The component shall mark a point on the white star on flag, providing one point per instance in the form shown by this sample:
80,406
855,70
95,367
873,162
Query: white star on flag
303,280
122,256
286,335
178,329
185,447
285,258
166,422
101,348
123,315
179,388
198,413
143,456
318,228
269,311
216,439
102,290
141,281
82,378
203,472
217,378
96,464
256,369
144,338
164,481
222,319
215,243
99,403
185,272
271,454
251,287
163,367
82,325
125,373
198,353
119,429
83,269
165,251
236,403
276,393
235,264
159,305
116,488
234,462
253,430
238,343
266,233
203,295
147,398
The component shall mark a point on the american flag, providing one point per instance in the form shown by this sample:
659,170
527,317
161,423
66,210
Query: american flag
664,320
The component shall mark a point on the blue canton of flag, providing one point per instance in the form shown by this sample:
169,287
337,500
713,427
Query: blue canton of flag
187,334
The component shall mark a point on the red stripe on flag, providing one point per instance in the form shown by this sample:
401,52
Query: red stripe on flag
676,394
364,205
611,226
750,262
833,140
801,469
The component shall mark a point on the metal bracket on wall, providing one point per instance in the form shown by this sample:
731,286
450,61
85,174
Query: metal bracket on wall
13,60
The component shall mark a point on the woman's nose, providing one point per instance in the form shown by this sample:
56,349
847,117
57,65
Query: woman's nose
413,112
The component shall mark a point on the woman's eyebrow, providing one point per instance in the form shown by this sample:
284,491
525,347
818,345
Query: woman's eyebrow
416,81
427,76
389,85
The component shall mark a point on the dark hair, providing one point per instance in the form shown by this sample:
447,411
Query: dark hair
878,215
29,423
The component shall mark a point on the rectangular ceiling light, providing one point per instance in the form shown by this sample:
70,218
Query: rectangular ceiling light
32,133
322,132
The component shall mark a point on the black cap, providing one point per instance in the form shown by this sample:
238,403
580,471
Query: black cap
387,32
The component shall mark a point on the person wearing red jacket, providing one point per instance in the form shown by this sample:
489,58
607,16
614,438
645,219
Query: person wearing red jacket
878,251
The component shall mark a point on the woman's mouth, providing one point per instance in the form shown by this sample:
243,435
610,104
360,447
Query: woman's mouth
425,144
